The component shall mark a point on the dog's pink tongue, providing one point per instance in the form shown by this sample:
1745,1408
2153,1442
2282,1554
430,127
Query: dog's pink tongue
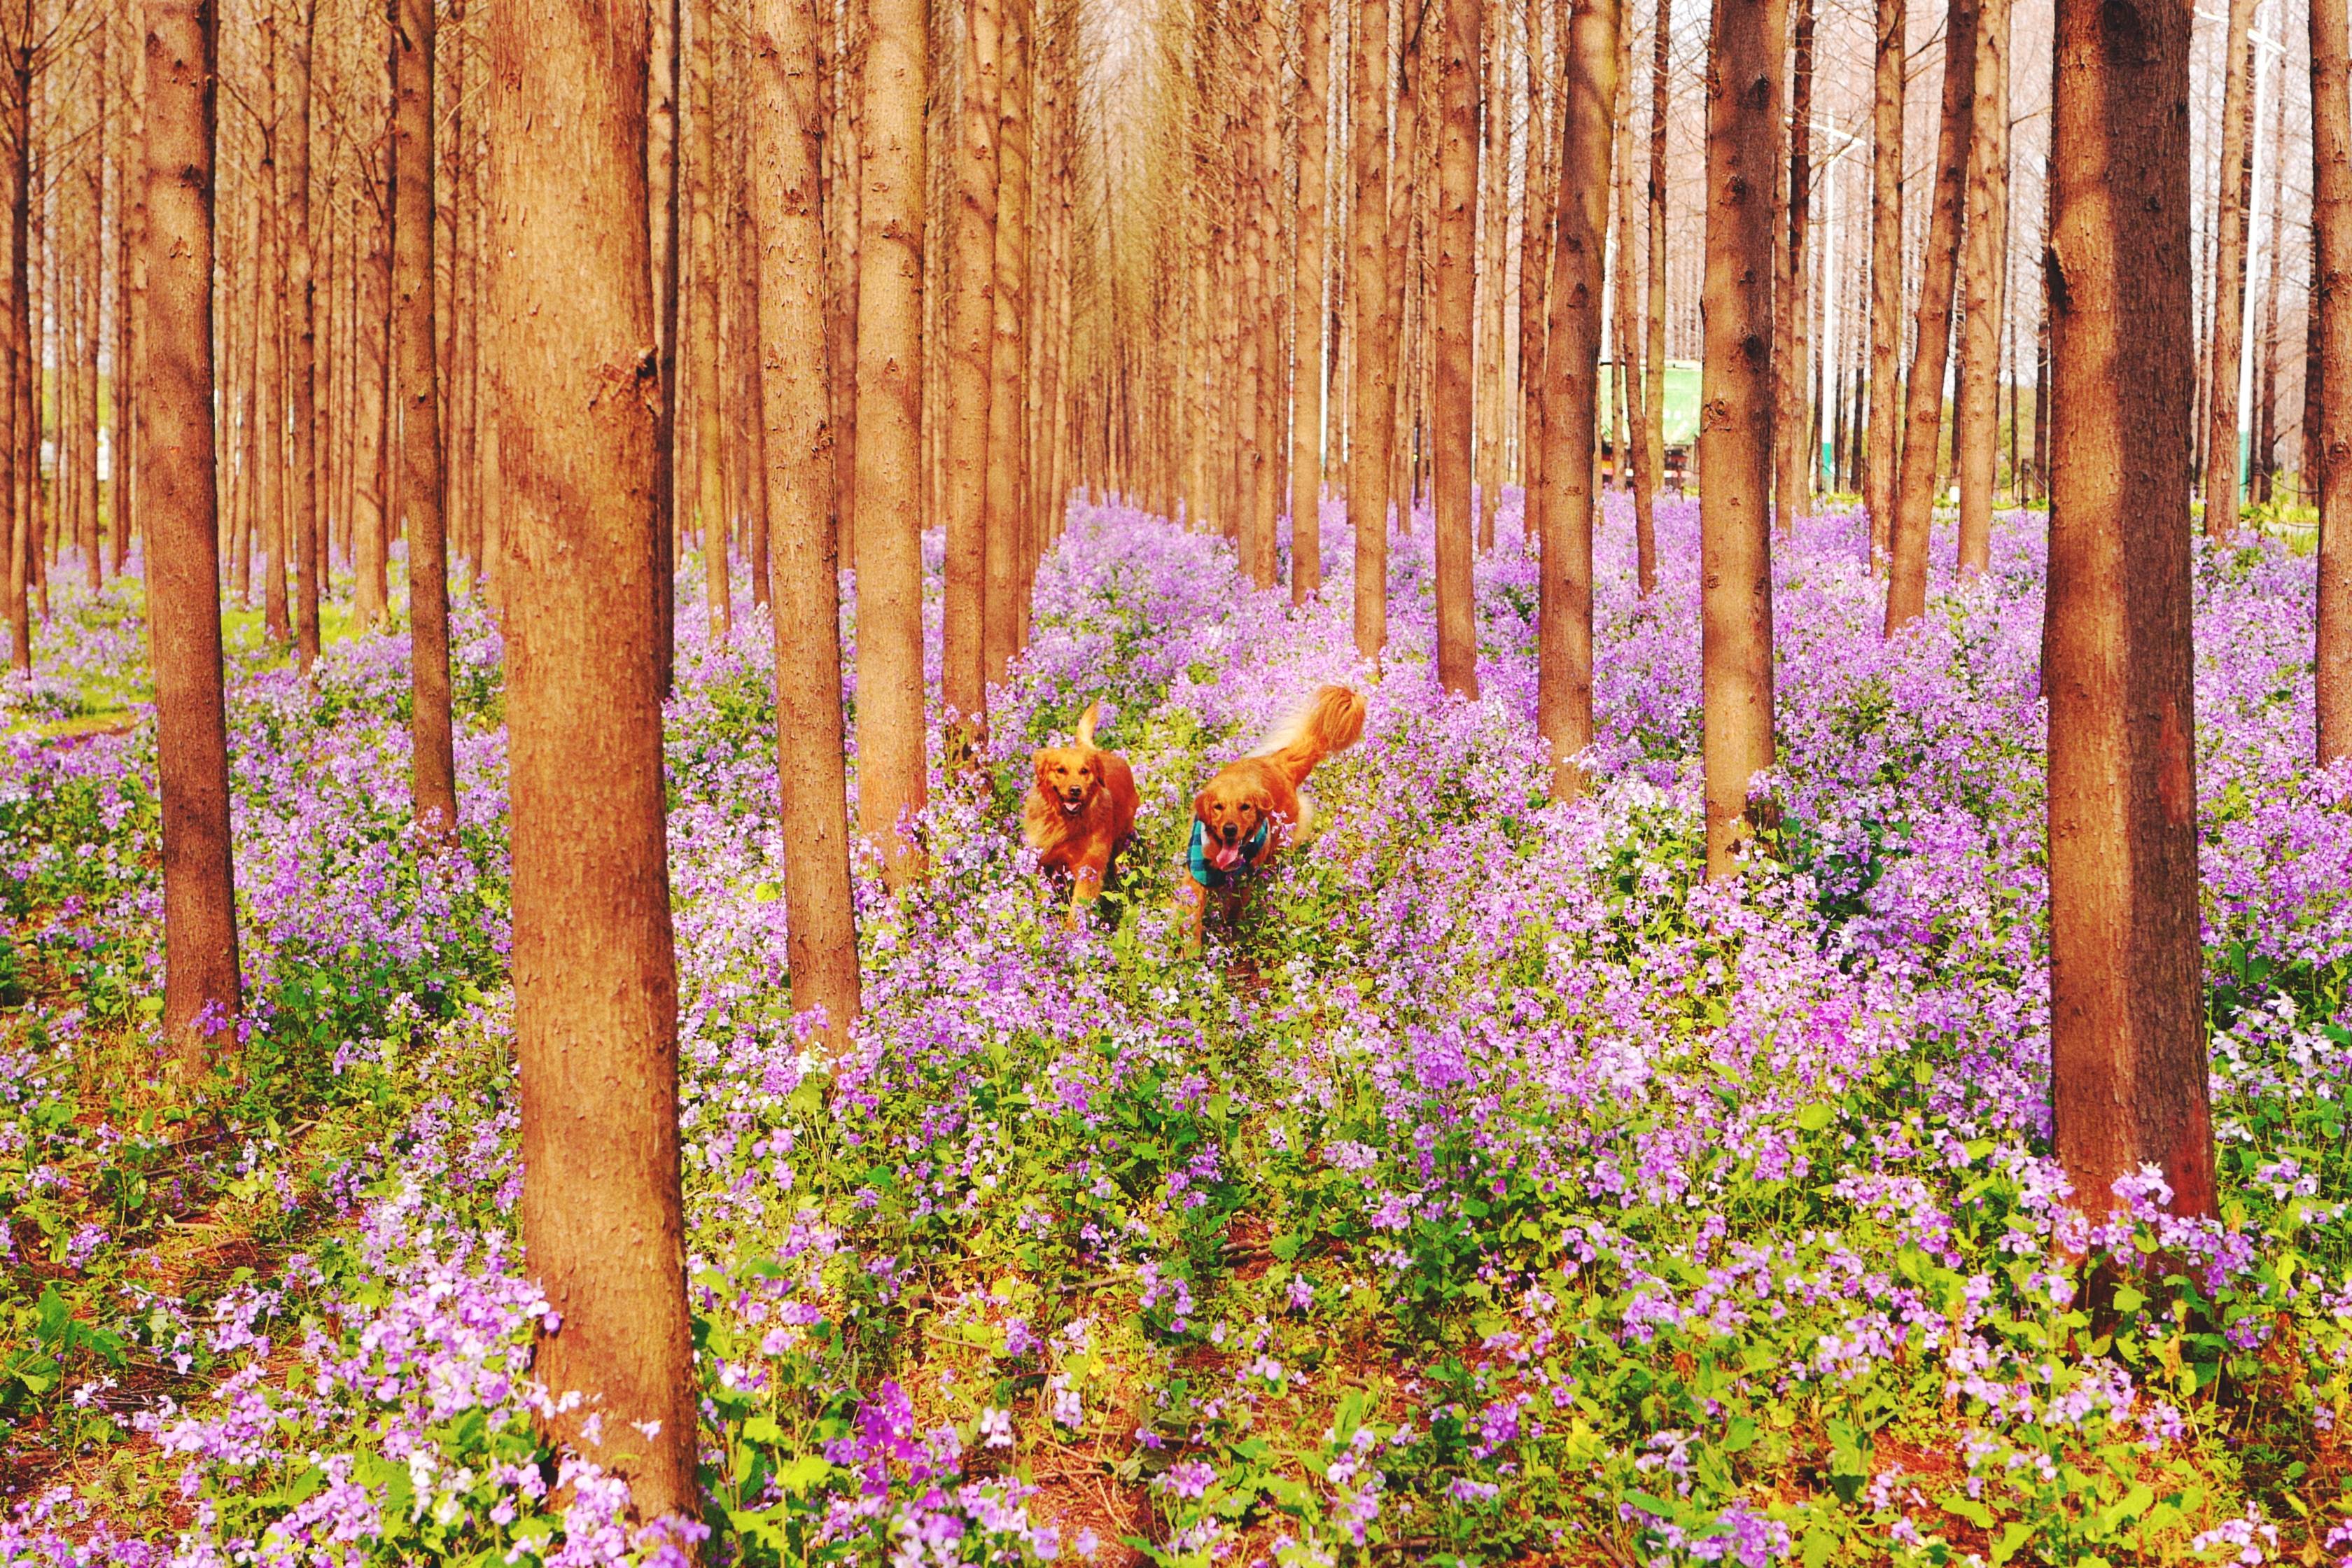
1224,856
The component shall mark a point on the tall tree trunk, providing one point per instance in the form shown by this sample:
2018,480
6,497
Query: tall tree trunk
971,329
2127,1018
1536,224
201,999
890,481
2230,271
302,336
1735,437
1976,435
433,761
1492,250
1792,487
2265,465
786,212
1650,466
1571,415
703,254
21,544
371,522
1259,555
1003,606
1915,496
1371,422
2327,395
1457,237
268,353
661,215
595,979
1310,313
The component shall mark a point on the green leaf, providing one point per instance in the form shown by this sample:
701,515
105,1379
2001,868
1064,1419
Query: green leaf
2128,1299
801,1474
1739,1435
2013,1537
1975,1512
1816,1116
1819,1545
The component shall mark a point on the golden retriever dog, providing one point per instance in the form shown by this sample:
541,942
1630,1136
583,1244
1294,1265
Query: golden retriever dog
1255,808
1080,813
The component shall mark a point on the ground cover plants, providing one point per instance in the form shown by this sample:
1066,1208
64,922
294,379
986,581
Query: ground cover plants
1500,1193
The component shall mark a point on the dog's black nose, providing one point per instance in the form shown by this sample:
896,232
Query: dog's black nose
1231,831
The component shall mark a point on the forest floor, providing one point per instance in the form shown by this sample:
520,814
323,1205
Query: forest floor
1498,1193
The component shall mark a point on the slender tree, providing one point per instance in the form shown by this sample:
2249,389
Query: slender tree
1571,415
1372,417
1308,312
1985,267
793,324
2229,276
414,352
2331,455
662,80
1003,604
2127,1001
1792,465
890,489
703,258
1915,494
201,1000
1743,155
1457,237
596,976
1653,358
302,332
971,336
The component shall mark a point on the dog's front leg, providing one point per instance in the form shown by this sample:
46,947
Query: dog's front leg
1193,898
1087,884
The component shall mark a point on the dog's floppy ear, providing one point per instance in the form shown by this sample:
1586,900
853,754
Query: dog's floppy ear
1039,761
1263,799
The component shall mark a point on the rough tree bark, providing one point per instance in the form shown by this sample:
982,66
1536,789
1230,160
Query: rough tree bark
661,216
2331,230
1735,436
1914,493
434,762
595,1016
1571,415
1371,421
175,375
1975,430
890,488
1457,237
805,584
2126,1016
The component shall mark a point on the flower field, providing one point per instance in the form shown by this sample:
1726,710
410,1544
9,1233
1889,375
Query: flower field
1499,1193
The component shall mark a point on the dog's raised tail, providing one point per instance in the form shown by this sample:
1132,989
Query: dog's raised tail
1332,722
1087,722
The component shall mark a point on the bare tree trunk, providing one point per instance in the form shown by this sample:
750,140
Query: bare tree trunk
1791,487
1310,312
1651,467
1491,73
793,319
2126,1036
595,979
890,486
1571,415
972,328
1626,383
2265,463
1743,164
1267,401
703,254
268,353
2326,393
661,215
1457,237
201,1001
1372,418
371,522
1004,602
434,760
2230,272
302,337
1537,223
1915,498
21,544
1976,431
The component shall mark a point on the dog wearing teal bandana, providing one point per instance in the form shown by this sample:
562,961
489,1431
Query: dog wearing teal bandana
1254,807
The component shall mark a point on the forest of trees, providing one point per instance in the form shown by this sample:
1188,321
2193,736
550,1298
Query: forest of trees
549,302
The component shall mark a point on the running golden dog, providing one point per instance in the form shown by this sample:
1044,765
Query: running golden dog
1080,812
1254,807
